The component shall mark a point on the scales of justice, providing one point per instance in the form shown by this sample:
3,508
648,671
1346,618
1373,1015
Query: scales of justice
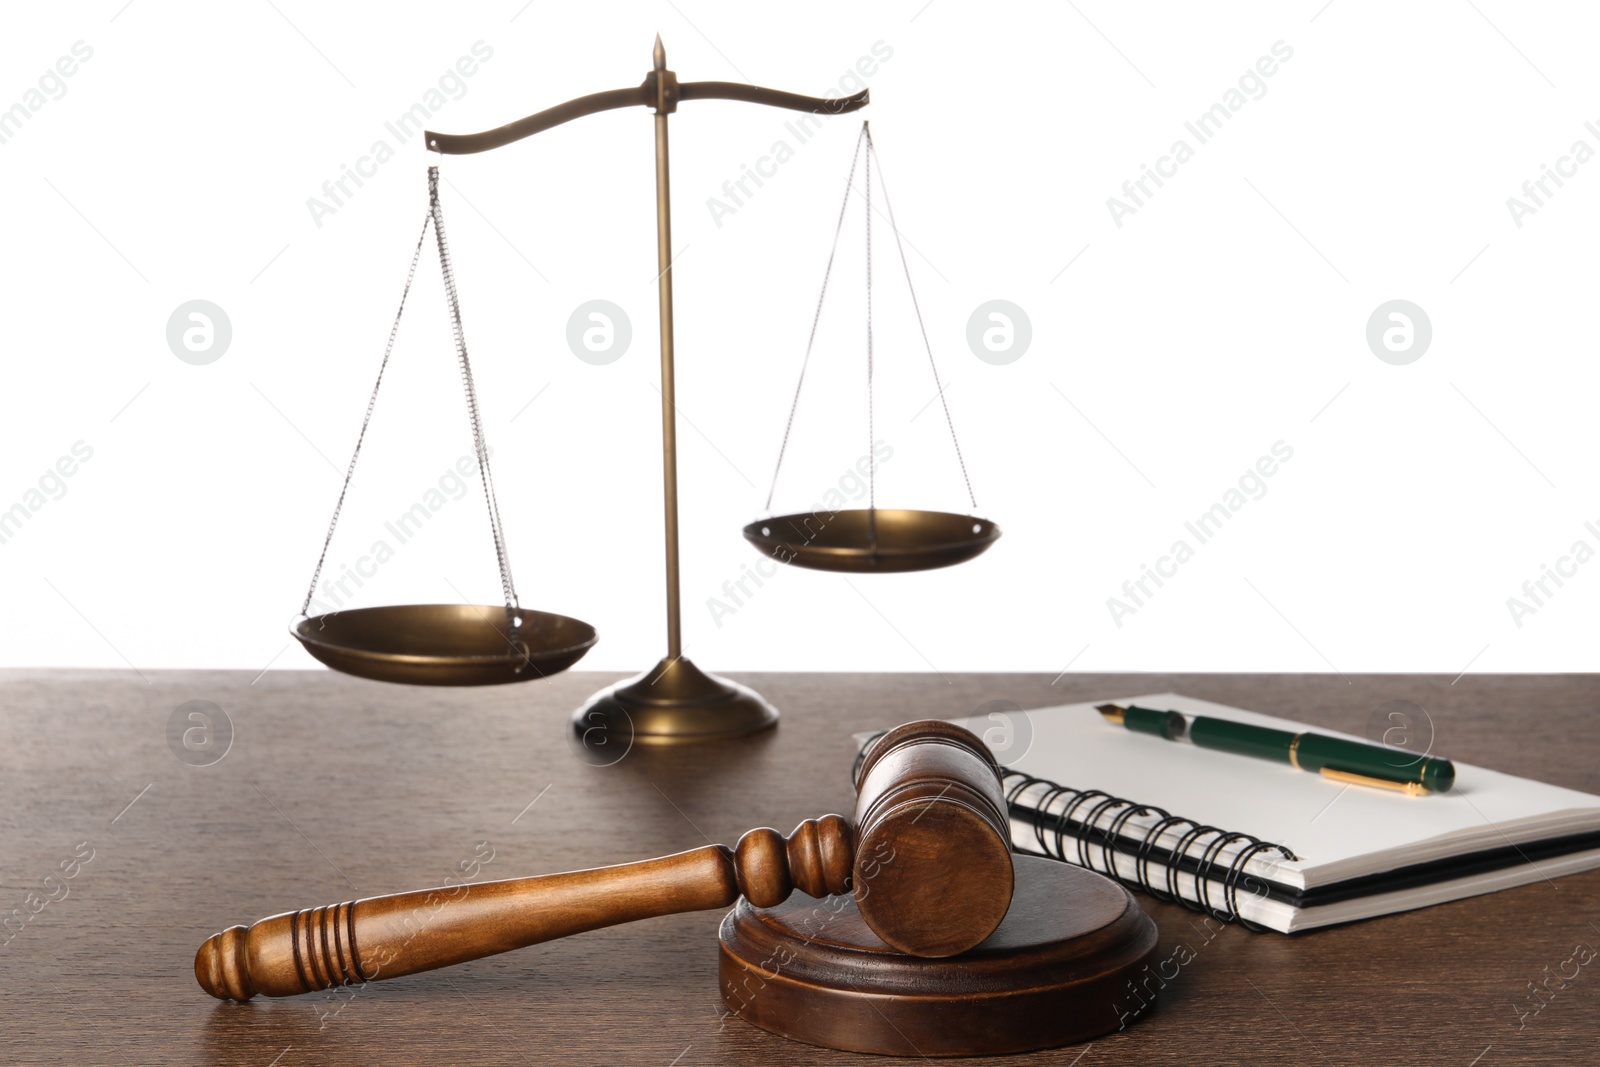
674,701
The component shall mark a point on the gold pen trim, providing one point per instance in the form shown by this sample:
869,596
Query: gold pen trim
1410,789
1294,752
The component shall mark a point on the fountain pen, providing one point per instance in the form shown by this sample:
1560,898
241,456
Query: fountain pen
1351,762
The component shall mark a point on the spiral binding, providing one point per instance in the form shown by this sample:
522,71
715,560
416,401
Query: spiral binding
1197,854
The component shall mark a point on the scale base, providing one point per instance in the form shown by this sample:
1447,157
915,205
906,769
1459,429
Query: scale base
674,702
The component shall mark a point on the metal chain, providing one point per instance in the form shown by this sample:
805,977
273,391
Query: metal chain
838,228
436,217
883,186
371,400
872,467
513,614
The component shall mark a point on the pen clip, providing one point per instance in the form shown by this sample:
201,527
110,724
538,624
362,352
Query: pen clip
1410,789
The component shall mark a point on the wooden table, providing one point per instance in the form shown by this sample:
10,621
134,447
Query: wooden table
335,788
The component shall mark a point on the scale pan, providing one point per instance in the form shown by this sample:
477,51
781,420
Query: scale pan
906,540
444,644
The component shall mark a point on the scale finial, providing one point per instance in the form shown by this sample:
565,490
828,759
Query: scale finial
660,54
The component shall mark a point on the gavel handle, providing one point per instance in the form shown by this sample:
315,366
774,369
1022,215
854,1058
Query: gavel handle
385,937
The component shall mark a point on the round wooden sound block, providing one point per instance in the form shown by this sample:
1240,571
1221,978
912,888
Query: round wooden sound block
1051,974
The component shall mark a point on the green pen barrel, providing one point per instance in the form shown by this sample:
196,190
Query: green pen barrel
1316,751
1242,738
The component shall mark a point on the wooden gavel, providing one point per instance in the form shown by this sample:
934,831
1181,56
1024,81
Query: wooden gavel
929,862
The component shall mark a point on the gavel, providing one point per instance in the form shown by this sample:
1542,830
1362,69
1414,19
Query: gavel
928,860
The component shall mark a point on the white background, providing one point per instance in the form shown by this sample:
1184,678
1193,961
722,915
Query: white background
1228,313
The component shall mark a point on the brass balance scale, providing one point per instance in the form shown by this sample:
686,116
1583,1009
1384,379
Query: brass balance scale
675,701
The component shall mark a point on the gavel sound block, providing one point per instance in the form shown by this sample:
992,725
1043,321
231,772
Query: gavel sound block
1074,959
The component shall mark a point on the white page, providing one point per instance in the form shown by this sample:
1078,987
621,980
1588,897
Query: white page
1337,831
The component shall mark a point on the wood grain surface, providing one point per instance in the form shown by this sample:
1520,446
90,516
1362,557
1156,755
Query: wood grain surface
334,788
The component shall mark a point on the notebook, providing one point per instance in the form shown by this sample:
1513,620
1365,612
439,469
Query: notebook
1267,845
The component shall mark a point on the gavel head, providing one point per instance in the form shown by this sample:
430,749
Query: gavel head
932,873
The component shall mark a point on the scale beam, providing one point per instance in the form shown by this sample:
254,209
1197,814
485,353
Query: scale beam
674,701
463,144
755,94
646,94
